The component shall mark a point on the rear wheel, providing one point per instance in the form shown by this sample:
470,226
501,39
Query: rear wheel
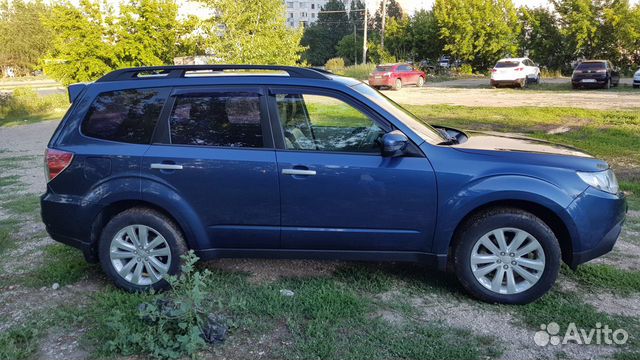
607,85
397,85
506,256
636,86
139,248
420,82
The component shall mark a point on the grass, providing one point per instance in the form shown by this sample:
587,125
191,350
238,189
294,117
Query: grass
23,204
19,342
25,105
62,264
601,276
328,318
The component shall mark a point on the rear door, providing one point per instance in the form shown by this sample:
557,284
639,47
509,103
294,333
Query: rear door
337,191
215,150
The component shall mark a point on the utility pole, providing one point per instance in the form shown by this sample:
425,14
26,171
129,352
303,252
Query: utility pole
384,20
355,42
364,38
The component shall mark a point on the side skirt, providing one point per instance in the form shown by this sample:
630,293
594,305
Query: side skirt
437,261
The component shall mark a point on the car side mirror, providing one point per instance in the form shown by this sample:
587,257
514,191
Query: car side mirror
394,144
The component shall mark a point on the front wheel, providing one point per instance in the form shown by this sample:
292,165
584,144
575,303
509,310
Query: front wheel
139,247
420,82
506,256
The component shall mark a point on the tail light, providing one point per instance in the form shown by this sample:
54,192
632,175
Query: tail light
55,162
519,69
387,74
494,70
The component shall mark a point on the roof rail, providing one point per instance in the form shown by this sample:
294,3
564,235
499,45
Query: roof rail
178,71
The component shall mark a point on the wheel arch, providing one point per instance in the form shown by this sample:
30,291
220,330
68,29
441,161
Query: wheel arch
544,213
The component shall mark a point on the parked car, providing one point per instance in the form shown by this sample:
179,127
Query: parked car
395,76
515,72
595,73
151,162
636,79
445,62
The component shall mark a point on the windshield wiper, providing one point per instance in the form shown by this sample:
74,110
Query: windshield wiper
450,140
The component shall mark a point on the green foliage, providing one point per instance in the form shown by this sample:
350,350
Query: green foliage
166,326
398,39
335,64
607,277
350,47
23,38
252,32
380,55
93,39
425,35
19,343
322,37
540,35
360,71
62,264
478,31
26,103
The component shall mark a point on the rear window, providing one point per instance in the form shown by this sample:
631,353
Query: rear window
507,64
228,119
384,68
591,66
125,115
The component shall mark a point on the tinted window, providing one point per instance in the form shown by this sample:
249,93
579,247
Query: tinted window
126,115
230,119
591,66
384,68
507,64
324,123
404,68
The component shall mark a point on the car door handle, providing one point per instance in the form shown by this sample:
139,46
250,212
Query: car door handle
298,172
166,166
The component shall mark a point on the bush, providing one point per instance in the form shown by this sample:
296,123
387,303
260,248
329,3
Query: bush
165,326
25,102
465,69
360,72
335,64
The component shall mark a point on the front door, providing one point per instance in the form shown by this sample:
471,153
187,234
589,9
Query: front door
216,152
337,191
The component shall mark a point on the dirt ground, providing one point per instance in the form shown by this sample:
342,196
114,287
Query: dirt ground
29,141
477,92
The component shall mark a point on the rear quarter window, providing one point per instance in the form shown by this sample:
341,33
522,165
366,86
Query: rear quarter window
507,64
128,116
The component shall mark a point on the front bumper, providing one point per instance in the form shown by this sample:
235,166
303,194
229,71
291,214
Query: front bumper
598,217
636,82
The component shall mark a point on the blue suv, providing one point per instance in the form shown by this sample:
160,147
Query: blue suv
287,162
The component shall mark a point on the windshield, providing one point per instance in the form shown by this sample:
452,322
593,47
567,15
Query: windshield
425,131
507,64
591,66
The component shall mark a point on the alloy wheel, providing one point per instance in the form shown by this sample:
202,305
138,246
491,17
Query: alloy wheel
140,254
507,260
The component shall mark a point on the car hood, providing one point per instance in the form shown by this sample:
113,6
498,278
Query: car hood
515,143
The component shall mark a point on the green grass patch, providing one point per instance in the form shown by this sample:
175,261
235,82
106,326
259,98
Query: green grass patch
8,227
23,205
602,276
20,342
25,105
62,264
6,181
328,318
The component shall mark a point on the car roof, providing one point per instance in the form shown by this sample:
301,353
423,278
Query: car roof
593,61
513,59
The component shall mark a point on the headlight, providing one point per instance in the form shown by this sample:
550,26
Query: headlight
601,180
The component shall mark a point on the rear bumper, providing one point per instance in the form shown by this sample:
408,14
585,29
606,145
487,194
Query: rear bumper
598,81
386,81
496,82
598,217
68,220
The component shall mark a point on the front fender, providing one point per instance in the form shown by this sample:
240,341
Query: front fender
503,188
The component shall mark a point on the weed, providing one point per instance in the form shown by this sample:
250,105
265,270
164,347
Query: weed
19,342
25,105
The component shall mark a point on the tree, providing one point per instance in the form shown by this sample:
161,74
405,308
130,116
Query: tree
394,11
252,32
540,35
350,48
399,38
322,37
23,37
425,35
478,31
92,39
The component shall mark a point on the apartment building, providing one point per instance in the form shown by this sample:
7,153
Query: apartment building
303,12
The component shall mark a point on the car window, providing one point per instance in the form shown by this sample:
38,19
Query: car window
126,115
324,123
591,66
507,64
229,119
384,68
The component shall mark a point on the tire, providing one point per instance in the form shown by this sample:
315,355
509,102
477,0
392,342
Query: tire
512,223
522,83
636,86
149,269
397,85
420,82
607,86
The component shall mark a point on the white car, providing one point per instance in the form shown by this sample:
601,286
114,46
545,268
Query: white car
515,72
636,79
